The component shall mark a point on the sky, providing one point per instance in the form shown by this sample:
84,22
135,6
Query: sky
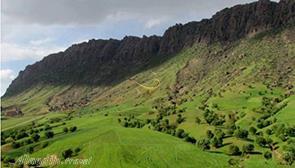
32,29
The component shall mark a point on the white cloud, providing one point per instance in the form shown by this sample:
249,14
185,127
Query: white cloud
41,41
78,12
154,22
7,75
15,52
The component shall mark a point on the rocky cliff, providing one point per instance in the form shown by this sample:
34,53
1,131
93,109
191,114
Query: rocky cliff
105,62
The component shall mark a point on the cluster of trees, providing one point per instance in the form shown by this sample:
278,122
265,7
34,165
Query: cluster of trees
212,118
69,152
71,129
131,122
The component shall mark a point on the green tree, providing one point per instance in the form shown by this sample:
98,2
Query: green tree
204,144
73,129
248,148
35,137
65,130
49,134
234,150
252,130
67,153
267,155
217,142
198,120
240,133
209,134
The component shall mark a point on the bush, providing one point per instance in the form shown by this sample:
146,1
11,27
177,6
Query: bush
234,150
289,157
77,150
67,153
35,137
49,134
45,144
65,130
248,148
180,133
204,144
15,145
241,133
209,134
198,120
73,129
252,130
217,142
267,155
30,149
190,139
261,141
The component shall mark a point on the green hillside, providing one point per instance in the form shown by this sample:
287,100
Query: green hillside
207,106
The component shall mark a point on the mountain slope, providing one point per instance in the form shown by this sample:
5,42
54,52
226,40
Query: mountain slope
105,62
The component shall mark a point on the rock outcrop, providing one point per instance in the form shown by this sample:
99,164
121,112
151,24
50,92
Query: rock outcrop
105,62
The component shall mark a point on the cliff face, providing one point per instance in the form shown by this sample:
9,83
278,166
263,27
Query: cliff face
104,62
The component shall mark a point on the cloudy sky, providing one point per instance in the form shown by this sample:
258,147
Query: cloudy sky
31,29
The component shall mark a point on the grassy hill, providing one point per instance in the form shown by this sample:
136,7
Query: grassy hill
225,89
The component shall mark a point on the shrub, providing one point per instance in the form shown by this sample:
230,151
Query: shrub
15,145
248,148
217,142
241,133
49,134
65,130
180,133
204,144
45,144
267,155
234,150
209,134
198,120
261,141
67,153
190,139
289,157
77,150
30,149
252,130
35,137
73,129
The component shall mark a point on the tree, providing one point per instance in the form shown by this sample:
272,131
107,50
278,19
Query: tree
217,142
77,150
234,150
219,133
248,148
204,144
209,134
261,141
252,130
67,153
73,129
198,120
180,133
65,130
239,133
267,155
289,157
49,134
190,139
15,145
47,127
30,149
35,137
